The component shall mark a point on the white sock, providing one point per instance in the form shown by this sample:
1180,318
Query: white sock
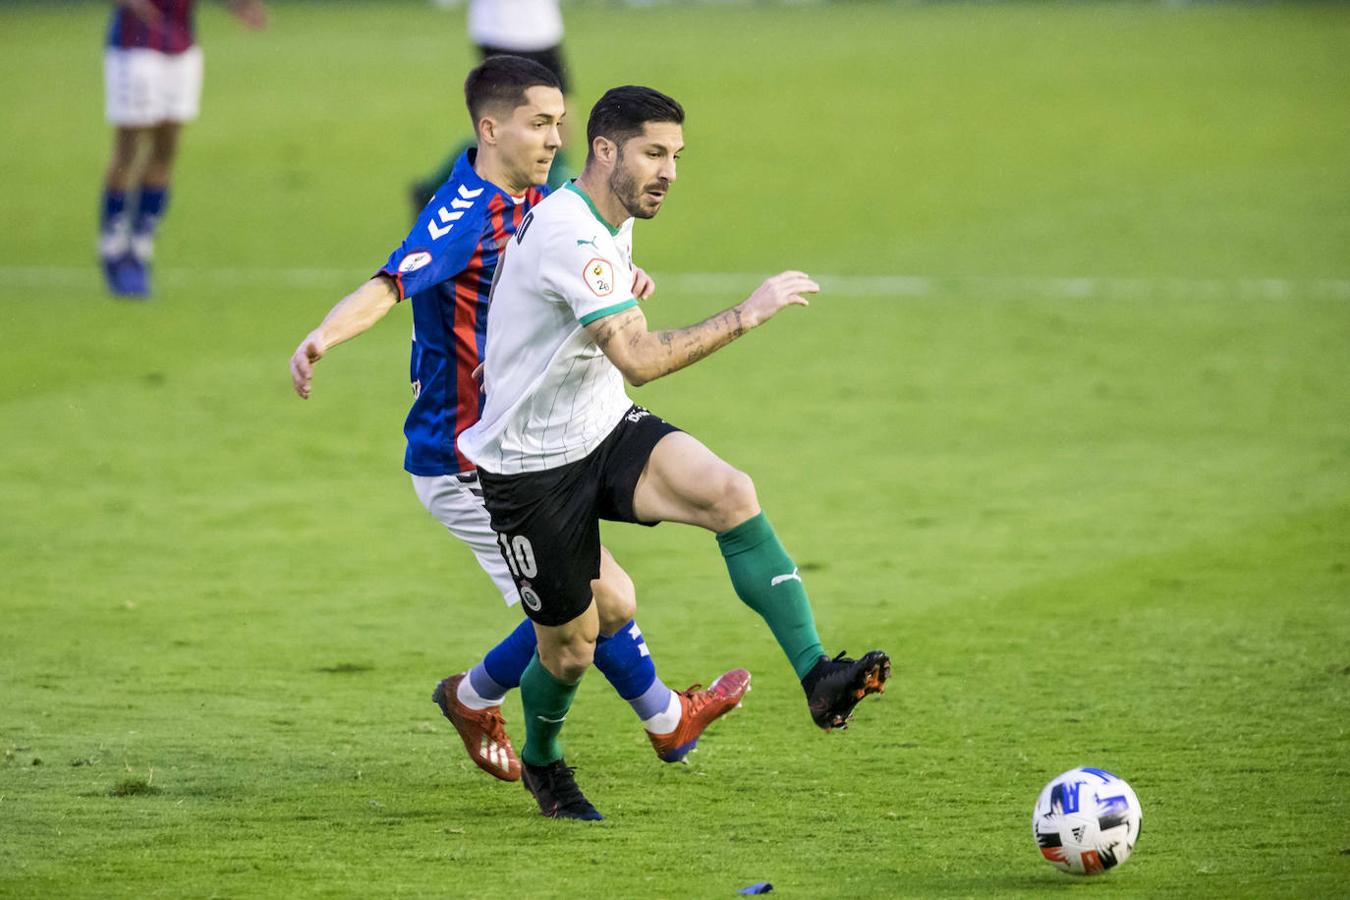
666,722
471,698
115,240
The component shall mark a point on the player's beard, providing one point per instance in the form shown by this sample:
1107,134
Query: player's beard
624,185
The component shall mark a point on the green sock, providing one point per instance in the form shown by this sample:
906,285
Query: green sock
767,581
546,701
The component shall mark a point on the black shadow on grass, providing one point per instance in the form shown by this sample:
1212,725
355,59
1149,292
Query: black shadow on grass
133,787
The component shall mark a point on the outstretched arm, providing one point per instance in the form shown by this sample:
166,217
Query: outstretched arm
354,314
643,355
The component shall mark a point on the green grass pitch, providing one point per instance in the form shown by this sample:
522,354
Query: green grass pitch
1068,433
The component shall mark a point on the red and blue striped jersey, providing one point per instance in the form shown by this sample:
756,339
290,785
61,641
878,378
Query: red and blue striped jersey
446,266
173,33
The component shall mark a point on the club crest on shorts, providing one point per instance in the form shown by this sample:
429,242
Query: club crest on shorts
599,276
529,597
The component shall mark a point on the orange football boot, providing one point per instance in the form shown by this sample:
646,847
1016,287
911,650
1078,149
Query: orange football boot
482,730
698,710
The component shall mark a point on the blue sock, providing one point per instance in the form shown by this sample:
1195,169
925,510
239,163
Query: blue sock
501,669
624,659
150,208
114,233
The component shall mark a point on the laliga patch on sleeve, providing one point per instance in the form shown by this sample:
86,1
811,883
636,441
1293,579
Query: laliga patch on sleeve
414,261
599,276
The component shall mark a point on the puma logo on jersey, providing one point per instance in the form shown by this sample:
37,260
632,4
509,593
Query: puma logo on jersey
581,243
494,753
779,579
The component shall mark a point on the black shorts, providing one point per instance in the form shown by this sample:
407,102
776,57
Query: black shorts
551,59
548,523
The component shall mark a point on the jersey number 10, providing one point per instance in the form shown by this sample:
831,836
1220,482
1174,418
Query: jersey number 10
519,555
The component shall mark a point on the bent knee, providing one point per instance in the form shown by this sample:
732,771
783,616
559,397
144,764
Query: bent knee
615,597
568,657
570,661
574,666
737,500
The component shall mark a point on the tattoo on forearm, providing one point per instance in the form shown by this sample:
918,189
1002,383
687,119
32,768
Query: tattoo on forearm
657,353
604,334
685,346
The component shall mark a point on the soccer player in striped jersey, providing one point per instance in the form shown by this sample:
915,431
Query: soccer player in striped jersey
560,446
445,269
152,71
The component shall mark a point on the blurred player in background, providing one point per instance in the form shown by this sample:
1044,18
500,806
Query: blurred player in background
152,70
445,269
560,446
532,29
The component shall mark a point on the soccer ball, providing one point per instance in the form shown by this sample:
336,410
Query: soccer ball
1086,821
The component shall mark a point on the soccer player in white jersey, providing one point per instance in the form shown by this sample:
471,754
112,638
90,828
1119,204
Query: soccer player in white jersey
560,445
443,270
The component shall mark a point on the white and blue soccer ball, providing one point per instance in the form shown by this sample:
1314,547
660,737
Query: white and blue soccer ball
1086,821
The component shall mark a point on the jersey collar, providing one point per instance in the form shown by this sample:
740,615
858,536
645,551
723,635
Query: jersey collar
572,186
464,174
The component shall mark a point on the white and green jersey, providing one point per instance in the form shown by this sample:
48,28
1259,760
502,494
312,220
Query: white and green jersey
552,395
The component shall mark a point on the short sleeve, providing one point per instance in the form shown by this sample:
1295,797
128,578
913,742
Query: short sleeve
441,243
589,274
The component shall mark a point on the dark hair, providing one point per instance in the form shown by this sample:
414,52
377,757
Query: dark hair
503,81
623,111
